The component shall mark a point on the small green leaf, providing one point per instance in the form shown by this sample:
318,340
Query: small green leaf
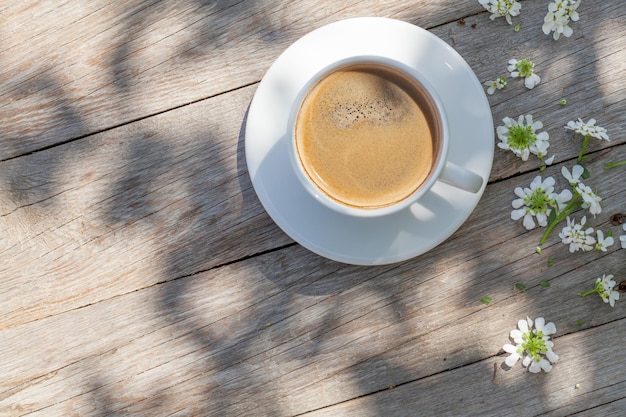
609,233
550,262
614,164
544,284
520,286
485,300
579,322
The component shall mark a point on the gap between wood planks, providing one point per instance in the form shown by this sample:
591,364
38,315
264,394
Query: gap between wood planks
115,126
106,129
500,354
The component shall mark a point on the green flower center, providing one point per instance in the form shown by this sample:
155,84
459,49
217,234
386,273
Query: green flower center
521,137
539,201
600,290
579,235
525,67
534,345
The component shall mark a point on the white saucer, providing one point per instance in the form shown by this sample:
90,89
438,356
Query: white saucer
367,241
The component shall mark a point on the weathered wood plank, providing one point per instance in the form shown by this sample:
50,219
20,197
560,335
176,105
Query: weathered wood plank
121,197
321,333
145,203
471,391
318,337
125,291
612,409
76,94
587,70
68,71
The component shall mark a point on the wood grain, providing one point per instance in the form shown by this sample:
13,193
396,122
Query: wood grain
149,202
116,197
71,71
513,391
321,334
141,276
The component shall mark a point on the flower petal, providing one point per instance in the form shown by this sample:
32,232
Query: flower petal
523,326
517,203
509,348
517,214
542,219
577,171
512,359
548,182
552,357
549,329
545,365
528,222
534,367
539,323
519,191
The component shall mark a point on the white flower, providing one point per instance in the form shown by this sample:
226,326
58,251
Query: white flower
605,288
603,242
538,201
577,237
522,138
622,238
532,345
540,148
502,8
591,200
497,84
560,12
574,177
606,291
588,129
526,69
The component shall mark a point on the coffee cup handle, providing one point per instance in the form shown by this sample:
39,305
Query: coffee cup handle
461,178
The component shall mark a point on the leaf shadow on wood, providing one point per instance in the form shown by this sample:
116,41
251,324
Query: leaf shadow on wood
36,178
234,362
571,271
232,344
208,31
311,303
494,275
134,200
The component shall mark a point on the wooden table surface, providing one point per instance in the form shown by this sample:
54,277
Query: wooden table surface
141,276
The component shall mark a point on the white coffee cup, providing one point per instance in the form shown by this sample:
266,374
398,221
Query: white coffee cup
441,168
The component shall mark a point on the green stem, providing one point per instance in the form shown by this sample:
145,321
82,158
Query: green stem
581,154
560,216
586,293
548,230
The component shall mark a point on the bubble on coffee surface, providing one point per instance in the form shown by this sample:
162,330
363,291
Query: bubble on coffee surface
365,102
345,115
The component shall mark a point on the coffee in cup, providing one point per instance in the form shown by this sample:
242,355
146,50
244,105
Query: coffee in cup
367,135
